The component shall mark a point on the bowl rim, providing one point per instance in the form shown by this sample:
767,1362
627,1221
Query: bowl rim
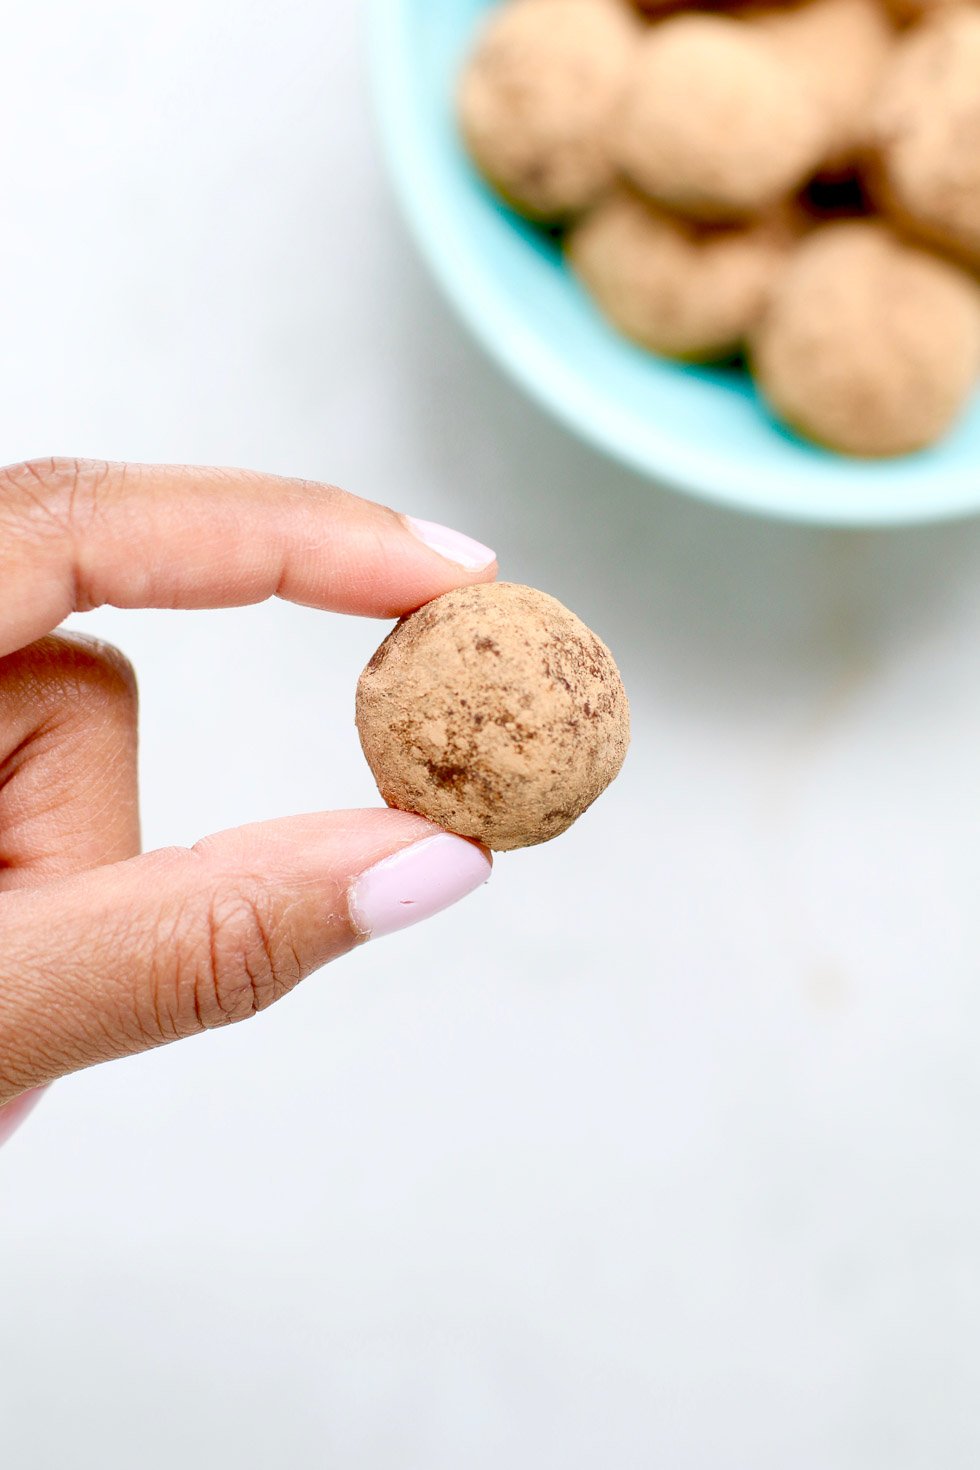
696,471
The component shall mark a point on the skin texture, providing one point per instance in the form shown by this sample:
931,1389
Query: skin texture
679,289
869,345
714,124
537,99
102,952
495,712
924,132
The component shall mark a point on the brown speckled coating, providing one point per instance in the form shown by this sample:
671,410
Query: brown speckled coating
924,133
868,345
839,49
494,712
912,10
537,98
682,289
714,124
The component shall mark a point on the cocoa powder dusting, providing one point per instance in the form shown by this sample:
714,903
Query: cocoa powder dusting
494,712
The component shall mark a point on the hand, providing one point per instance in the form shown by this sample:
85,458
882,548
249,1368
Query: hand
104,953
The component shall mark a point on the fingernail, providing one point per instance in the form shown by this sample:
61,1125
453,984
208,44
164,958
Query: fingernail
416,883
453,545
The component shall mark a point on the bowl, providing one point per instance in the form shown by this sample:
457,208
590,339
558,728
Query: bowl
699,430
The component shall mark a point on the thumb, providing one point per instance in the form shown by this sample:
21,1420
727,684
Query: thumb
143,952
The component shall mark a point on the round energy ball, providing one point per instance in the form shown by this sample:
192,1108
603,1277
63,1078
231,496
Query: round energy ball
624,6
925,131
868,345
839,49
537,99
912,10
714,124
494,712
680,289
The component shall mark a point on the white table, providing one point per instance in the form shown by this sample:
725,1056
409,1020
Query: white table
661,1150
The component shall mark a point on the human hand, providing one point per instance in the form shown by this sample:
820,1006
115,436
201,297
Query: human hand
104,953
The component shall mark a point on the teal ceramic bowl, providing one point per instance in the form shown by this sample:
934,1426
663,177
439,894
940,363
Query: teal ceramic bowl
700,430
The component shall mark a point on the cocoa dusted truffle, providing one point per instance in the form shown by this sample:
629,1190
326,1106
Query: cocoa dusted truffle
685,290
714,123
682,161
537,99
839,49
925,131
912,10
494,712
868,345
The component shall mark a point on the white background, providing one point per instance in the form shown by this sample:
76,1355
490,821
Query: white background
662,1149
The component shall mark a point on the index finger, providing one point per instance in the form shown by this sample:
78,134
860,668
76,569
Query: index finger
78,534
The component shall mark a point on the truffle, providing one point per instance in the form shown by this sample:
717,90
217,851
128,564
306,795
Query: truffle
714,124
623,6
537,98
681,289
868,345
839,49
911,10
924,132
494,712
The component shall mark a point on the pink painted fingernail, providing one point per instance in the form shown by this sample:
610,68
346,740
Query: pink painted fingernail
453,545
416,883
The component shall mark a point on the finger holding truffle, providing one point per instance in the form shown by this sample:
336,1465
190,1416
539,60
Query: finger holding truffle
500,715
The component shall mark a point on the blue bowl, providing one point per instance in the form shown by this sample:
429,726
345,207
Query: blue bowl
701,430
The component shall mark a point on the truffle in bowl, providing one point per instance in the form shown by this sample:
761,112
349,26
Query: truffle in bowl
702,429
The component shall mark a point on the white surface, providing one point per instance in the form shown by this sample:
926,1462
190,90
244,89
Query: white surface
661,1150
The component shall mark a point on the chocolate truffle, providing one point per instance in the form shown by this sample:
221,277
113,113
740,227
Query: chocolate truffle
494,712
839,49
714,123
537,98
925,131
680,289
911,10
868,345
